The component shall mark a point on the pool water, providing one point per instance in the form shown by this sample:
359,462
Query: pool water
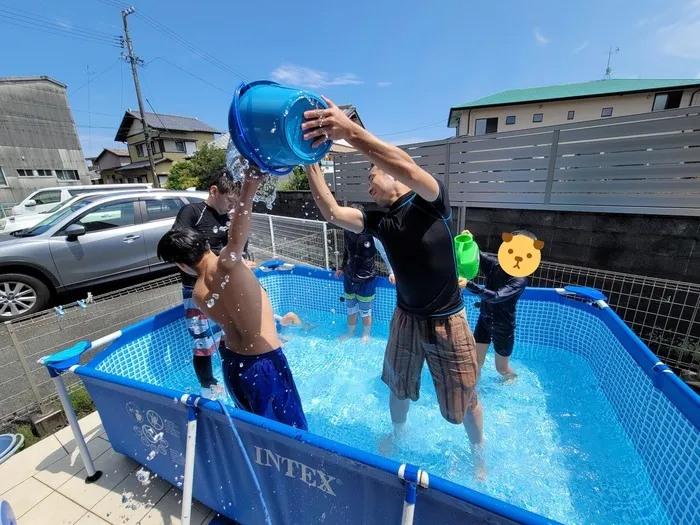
553,444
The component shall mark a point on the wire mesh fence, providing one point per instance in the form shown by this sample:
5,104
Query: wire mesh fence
663,313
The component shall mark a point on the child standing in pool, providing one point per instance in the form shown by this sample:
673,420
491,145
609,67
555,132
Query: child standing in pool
256,371
359,277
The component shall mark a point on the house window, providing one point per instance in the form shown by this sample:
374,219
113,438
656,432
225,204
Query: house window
537,117
25,173
180,146
670,100
510,120
67,174
485,126
570,115
607,112
141,150
44,173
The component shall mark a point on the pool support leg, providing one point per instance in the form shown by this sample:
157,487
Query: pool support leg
93,473
413,477
190,450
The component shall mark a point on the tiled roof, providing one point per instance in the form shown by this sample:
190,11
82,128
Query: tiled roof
162,121
140,164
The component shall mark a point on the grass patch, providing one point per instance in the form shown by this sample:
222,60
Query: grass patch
82,402
29,437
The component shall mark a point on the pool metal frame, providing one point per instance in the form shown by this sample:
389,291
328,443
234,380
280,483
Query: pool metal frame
414,480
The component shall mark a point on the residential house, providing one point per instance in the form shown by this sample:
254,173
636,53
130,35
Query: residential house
518,109
39,145
105,164
174,138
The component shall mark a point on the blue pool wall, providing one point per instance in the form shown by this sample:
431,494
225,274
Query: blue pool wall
659,413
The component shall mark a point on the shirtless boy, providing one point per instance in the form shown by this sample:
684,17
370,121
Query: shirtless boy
256,371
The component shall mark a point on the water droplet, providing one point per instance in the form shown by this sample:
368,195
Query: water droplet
210,303
151,455
245,212
228,223
216,229
367,244
143,476
274,128
226,278
223,284
332,310
332,218
215,296
240,365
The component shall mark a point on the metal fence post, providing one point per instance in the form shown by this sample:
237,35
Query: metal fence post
335,248
272,236
25,367
325,243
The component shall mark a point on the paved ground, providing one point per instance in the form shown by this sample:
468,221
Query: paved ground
45,486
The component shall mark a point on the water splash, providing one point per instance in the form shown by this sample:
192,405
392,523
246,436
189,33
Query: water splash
236,165
143,476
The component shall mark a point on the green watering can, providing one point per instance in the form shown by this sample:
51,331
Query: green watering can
467,252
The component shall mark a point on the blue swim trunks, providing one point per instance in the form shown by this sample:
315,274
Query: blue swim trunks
359,296
263,384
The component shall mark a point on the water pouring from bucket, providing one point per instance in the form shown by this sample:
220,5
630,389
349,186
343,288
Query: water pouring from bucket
265,125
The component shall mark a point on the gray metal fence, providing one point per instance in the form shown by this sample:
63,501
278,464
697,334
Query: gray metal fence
665,314
648,163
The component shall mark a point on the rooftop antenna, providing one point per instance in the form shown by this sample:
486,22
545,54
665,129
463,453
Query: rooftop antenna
608,69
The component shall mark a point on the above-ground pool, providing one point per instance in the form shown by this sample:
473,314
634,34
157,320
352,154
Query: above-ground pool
593,429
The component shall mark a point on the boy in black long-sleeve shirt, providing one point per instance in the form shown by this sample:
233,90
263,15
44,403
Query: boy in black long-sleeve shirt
498,306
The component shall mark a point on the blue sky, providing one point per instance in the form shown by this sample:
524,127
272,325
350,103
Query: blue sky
402,63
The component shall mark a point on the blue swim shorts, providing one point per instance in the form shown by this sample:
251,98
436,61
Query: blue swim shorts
359,296
263,384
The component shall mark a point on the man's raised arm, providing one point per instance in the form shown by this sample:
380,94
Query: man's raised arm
241,217
343,216
333,124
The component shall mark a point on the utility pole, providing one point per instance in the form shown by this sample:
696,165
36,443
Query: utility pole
134,61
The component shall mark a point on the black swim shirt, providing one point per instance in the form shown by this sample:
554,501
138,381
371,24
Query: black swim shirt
419,244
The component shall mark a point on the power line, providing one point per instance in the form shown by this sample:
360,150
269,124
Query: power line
442,121
176,37
33,17
96,77
57,32
191,74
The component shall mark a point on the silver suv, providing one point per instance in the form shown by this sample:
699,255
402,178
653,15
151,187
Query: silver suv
98,239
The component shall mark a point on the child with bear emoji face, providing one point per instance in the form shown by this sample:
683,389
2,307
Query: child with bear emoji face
506,279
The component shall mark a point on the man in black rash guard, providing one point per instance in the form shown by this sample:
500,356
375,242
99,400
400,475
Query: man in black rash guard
210,218
429,321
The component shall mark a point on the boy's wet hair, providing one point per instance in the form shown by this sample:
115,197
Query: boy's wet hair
525,233
224,182
182,245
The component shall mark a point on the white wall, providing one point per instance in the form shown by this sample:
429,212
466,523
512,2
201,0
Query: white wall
555,113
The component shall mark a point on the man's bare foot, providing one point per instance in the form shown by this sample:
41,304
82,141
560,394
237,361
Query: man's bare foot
386,446
365,339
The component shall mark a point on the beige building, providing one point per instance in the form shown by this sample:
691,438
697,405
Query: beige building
174,138
529,108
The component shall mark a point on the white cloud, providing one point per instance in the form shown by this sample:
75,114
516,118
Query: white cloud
582,46
311,78
541,39
682,38
384,84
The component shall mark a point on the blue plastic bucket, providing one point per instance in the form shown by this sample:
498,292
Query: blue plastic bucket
265,121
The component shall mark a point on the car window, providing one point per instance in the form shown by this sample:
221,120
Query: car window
158,209
47,197
108,216
56,217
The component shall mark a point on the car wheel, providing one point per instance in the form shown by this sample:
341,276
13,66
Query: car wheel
21,295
